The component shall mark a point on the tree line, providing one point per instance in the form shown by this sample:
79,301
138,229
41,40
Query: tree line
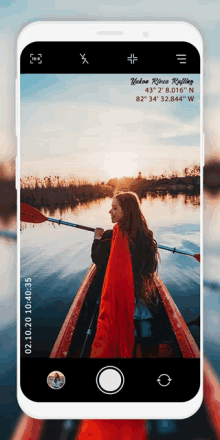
191,171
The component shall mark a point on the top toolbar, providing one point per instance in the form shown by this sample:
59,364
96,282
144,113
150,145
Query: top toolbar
110,57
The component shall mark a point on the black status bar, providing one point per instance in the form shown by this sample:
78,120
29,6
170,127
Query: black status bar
110,57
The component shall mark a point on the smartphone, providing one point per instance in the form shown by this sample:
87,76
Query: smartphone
105,111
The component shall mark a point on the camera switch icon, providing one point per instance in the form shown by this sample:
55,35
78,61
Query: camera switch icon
164,380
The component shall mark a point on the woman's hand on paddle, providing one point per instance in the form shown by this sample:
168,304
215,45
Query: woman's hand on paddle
98,232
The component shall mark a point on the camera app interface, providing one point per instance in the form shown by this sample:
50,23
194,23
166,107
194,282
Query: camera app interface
110,227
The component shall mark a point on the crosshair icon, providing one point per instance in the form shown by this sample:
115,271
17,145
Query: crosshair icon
132,58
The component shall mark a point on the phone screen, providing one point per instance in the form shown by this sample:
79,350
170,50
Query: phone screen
97,120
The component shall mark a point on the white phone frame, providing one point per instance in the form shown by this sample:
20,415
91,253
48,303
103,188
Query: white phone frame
108,31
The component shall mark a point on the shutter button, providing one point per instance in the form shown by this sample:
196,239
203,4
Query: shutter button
110,380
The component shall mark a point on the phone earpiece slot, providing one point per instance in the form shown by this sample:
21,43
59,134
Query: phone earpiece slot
110,33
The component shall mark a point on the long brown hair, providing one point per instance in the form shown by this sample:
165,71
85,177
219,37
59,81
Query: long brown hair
57,378
145,255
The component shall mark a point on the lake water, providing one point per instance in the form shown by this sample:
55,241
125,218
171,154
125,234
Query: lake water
57,258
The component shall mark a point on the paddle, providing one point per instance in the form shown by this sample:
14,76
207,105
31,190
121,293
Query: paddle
89,331
32,215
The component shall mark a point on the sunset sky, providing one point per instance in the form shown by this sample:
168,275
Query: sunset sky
91,126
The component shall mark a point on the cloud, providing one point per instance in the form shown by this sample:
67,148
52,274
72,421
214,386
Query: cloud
212,76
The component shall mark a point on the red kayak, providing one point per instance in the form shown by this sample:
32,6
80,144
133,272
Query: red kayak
187,346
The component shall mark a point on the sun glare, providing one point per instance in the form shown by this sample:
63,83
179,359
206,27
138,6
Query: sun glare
121,164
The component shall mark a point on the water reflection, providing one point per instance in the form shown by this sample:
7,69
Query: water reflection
7,194
189,198
66,212
53,211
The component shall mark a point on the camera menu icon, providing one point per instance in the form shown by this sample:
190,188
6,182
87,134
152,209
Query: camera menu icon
181,57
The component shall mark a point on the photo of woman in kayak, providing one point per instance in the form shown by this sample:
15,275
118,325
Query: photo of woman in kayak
110,302
130,318
56,380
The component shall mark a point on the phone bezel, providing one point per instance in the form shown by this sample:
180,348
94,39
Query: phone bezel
108,31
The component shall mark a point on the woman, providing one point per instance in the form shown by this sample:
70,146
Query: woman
130,313
56,381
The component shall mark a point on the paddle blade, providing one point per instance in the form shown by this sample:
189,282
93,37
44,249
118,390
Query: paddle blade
197,257
31,215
